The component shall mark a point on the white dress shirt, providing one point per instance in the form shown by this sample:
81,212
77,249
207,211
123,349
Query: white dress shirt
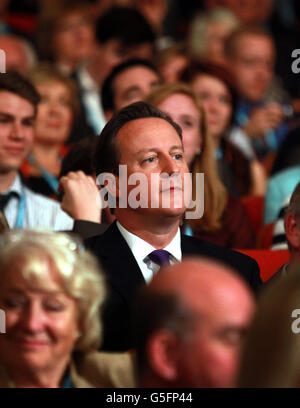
141,249
91,99
40,212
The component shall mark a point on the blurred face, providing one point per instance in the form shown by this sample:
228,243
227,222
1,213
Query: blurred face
216,35
54,118
212,354
133,85
73,39
172,70
252,66
112,53
152,146
41,325
183,111
16,131
216,101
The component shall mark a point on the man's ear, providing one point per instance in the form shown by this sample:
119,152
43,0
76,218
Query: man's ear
162,355
292,231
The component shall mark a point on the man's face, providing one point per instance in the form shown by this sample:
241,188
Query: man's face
152,147
212,353
133,85
252,65
16,130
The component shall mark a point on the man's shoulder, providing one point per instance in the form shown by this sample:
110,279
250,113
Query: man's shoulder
196,246
99,369
243,264
45,212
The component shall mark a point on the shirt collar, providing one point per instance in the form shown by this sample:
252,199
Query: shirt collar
141,249
16,186
86,81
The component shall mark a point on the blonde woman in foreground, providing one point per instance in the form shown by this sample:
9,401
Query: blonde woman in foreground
51,292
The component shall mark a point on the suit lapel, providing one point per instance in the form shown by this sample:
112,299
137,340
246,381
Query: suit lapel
117,259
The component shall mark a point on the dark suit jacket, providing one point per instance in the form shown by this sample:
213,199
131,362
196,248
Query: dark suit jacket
124,278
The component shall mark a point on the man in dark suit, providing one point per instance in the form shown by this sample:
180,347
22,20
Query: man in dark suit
146,236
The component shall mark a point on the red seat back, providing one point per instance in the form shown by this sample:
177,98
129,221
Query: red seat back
254,206
269,261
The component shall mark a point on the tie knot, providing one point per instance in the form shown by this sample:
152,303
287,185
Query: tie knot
4,199
160,257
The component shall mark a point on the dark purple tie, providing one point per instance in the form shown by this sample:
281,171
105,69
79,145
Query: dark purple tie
160,257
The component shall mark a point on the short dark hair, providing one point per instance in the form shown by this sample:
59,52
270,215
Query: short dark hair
107,90
107,156
231,40
17,84
125,24
153,311
79,157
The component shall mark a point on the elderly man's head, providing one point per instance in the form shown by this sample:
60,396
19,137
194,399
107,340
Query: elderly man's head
189,325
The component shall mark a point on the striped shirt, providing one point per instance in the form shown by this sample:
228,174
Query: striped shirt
40,212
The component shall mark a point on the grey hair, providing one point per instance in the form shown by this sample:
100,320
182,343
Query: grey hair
34,253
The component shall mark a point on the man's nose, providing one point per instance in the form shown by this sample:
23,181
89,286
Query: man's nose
17,131
170,166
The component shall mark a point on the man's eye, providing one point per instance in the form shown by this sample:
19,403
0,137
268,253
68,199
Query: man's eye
178,156
149,160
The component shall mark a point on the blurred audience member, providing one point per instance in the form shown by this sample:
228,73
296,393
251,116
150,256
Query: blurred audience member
122,33
249,12
51,293
57,108
208,32
19,54
189,326
250,53
170,62
240,174
81,197
65,34
271,354
129,82
280,186
22,207
224,221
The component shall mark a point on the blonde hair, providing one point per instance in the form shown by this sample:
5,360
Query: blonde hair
34,254
271,356
44,73
215,194
197,37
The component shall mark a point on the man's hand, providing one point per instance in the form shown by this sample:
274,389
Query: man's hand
264,119
81,199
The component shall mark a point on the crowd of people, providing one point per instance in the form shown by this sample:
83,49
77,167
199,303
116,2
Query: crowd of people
120,266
